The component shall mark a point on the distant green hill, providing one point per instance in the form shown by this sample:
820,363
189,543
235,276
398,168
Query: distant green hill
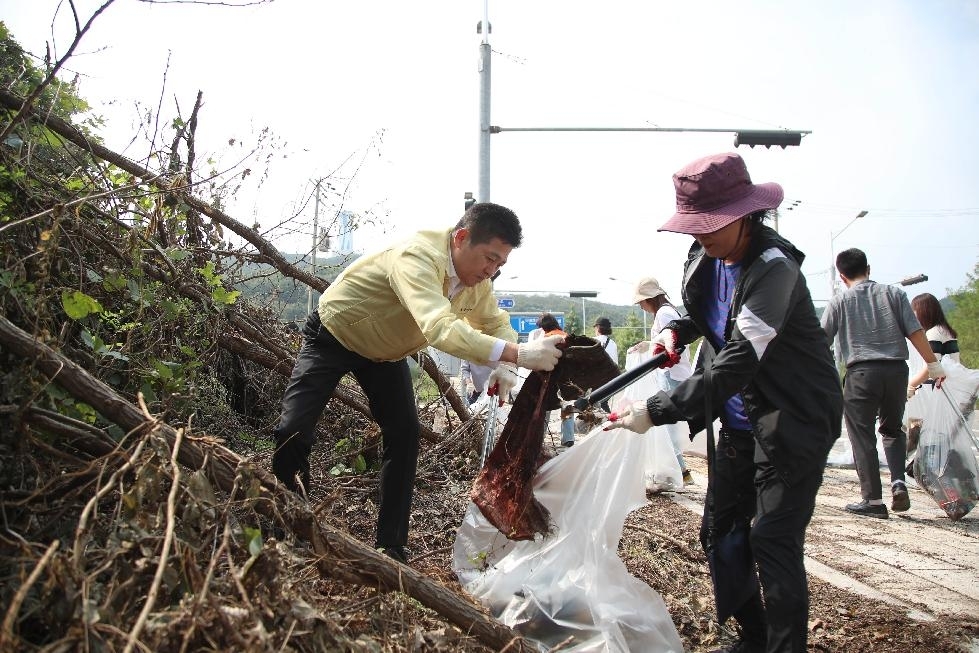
288,298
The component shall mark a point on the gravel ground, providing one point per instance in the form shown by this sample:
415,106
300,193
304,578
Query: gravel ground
660,547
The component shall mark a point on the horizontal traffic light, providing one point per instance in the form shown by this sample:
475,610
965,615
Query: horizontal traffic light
752,137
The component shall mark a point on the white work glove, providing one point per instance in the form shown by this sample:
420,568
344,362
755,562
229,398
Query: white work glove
665,341
635,418
937,372
639,348
501,381
541,354
911,390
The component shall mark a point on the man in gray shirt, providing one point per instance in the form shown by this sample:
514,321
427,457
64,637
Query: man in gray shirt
873,320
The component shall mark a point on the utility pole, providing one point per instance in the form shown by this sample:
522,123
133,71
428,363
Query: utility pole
316,243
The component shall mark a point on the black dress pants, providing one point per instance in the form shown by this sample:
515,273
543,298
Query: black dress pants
748,489
321,363
875,390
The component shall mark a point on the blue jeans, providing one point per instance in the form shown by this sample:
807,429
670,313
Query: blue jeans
567,431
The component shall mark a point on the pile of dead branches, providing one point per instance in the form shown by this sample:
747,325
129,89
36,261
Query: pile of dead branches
136,406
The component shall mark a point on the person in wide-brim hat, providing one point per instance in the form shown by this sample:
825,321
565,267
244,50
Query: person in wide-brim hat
715,191
712,195
764,368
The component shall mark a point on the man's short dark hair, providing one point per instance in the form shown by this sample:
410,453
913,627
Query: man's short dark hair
486,221
852,263
548,322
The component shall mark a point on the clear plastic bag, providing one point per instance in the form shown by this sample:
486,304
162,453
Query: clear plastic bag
945,463
571,586
961,383
662,468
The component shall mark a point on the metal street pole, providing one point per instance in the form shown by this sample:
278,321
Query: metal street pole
750,137
832,276
583,294
832,257
485,53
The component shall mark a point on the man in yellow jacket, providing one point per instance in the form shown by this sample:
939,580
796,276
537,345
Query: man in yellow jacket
433,289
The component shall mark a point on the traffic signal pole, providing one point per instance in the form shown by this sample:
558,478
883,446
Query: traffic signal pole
750,137
485,75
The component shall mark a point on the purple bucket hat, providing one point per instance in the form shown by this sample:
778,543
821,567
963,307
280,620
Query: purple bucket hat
714,191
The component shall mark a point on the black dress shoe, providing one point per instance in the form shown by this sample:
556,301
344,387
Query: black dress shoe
866,510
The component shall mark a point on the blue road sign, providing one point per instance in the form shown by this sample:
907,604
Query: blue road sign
504,302
524,323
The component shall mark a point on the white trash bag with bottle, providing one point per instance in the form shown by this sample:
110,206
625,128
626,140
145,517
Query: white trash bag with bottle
570,588
945,461
661,471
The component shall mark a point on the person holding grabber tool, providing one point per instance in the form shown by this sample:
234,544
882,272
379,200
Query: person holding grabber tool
766,371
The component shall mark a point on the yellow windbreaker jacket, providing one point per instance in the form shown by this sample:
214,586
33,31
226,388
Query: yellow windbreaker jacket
393,303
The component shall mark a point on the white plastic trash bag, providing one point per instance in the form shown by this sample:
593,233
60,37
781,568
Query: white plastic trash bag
841,455
662,468
572,584
961,383
945,463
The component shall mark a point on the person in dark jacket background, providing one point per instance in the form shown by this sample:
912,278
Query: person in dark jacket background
767,372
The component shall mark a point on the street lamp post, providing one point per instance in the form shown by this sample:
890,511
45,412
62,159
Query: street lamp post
640,310
832,258
832,275
583,294
910,281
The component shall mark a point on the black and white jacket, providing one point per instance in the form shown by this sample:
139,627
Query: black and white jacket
776,354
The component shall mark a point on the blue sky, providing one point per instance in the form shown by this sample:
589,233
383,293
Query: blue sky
383,95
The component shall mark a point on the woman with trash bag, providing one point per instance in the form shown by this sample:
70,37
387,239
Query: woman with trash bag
940,440
767,372
651,298
942,338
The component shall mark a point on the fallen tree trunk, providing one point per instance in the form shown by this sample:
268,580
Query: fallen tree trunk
332,547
